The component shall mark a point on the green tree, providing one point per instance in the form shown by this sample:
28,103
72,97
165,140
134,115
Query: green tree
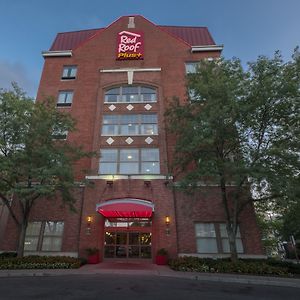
239,129
291,222
34,162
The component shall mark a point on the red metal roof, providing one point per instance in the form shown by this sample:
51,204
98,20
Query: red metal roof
71,40
194,36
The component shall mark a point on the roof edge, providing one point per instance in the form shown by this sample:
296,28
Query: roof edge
207,48
57,53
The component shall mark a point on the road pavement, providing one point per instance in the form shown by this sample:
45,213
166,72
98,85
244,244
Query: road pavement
130,287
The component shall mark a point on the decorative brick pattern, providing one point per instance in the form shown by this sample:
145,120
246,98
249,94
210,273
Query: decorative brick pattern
129,140
148,106
148,140
112,107
130,107
110,140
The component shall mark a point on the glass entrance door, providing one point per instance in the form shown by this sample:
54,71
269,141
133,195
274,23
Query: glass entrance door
120,244
128,238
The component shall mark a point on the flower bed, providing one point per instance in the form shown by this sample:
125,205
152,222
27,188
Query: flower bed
253,267
39,262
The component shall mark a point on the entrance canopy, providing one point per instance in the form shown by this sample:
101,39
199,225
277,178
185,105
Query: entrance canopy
126,208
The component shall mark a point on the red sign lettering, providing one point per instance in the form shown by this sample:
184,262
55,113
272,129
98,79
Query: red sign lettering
130,45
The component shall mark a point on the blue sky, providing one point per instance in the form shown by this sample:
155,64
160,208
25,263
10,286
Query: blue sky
246,28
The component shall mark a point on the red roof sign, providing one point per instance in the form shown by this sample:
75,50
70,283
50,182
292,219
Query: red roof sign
130,45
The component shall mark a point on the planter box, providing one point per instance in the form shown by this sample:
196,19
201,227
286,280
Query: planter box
93,259
161,259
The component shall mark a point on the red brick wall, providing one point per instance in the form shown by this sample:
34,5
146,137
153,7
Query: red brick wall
206,206
158,193
161,51
49,210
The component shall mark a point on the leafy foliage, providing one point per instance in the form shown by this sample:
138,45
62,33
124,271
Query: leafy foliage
240,129
33,162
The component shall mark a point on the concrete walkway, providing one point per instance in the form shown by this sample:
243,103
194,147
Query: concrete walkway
141,269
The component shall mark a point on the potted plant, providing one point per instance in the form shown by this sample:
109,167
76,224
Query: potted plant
93,255
161,257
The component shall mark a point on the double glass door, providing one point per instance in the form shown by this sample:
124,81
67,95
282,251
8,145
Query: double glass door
127,244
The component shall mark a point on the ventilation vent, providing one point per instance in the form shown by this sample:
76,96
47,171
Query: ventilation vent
131,22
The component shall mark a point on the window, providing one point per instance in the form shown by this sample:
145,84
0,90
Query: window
65,98
193,96
44,236
69,72
129,93
144,124
212,238
59,134
206,238
191,67
225,240
129,161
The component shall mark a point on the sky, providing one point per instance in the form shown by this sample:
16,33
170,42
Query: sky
246,28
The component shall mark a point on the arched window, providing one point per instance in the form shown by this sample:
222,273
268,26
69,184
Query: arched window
130,94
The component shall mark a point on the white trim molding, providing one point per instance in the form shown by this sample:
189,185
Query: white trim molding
118,177
130,72
51,253
125,201
57,53
223,255
207,48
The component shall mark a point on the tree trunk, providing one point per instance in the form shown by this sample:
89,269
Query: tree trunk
232,243
231,229
23,227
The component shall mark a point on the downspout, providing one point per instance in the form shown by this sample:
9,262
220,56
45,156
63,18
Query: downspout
80,219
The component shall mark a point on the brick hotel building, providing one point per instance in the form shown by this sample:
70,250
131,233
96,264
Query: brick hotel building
117,83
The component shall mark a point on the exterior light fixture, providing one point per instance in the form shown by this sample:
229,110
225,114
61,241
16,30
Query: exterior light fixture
167,220
109,182
89,220
147,183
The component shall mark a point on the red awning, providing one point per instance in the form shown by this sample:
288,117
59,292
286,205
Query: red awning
126,208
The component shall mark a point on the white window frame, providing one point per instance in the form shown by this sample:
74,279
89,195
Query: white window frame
220,236
42,235
69,72
191,67
59,134
65,98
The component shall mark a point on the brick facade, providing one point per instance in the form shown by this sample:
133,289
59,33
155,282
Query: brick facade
161,50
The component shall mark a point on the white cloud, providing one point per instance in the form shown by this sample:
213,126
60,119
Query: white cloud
17,72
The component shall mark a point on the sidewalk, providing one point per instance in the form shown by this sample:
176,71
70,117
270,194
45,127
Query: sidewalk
154,270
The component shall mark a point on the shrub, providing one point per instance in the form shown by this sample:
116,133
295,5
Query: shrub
40,262
253,267
162,251
8,254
